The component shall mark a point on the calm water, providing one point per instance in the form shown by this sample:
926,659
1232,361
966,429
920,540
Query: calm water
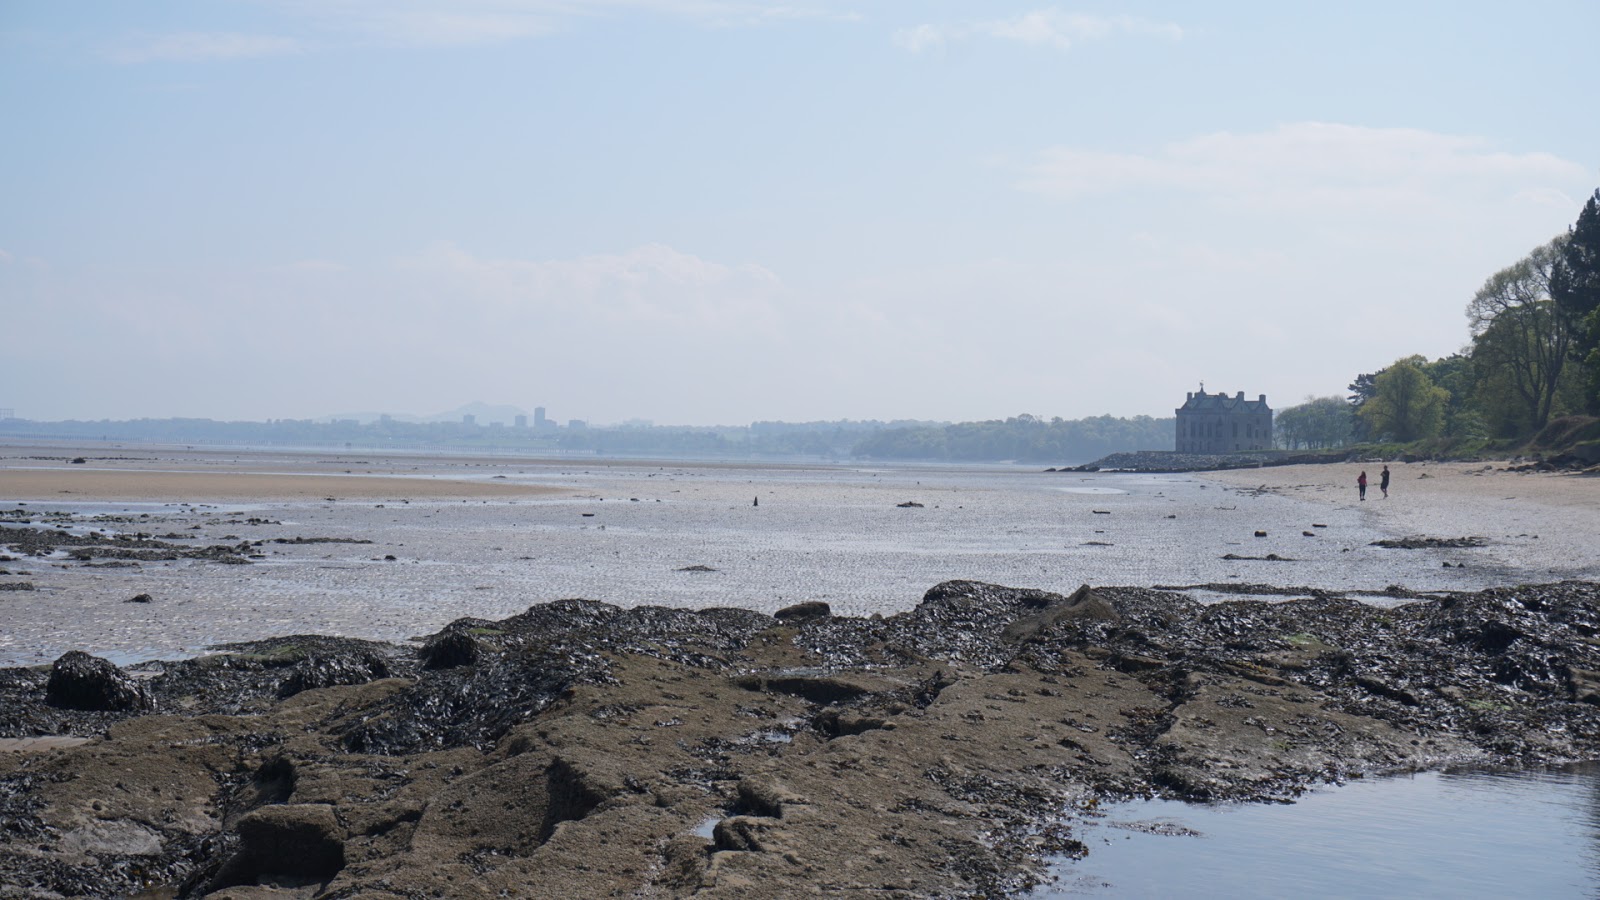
1524,834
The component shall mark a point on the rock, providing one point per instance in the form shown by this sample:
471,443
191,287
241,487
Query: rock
84,682
809,611
112,837
765,797
1261,534
319,671
139,598
742,833
1082,605
301,840
450,648
909,504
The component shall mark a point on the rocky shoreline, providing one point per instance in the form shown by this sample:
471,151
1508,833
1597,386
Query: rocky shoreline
1168,461
581,749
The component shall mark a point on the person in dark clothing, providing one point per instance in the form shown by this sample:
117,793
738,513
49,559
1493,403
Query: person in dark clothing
1383,482
1361,484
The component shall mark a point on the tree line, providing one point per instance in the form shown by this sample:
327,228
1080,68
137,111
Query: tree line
1024,438
1533,356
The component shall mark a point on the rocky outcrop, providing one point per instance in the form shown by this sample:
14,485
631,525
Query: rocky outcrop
589,750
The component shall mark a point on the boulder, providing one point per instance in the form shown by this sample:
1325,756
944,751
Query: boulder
84,682
809,611
298,840
449,649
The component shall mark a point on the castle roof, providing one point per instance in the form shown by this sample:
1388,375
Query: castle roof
1220,402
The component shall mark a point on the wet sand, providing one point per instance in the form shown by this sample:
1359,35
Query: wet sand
234,487
400,544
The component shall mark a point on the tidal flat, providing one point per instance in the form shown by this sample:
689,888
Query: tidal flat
588,677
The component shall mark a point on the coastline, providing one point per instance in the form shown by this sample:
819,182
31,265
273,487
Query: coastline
741,742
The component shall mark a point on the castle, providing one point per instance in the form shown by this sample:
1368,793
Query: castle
1217,423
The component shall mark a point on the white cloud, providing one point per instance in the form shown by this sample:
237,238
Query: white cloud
196,46
1327,165
1051,28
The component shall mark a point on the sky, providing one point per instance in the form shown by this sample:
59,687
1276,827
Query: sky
700,212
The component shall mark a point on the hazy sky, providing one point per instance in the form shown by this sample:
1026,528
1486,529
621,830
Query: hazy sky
709,212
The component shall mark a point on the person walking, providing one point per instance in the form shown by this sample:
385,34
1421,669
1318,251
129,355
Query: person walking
1361,484
1383,482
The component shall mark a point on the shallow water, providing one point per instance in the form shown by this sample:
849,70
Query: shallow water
628,530
1504,834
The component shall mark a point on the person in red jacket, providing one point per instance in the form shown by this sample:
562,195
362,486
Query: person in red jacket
1361,484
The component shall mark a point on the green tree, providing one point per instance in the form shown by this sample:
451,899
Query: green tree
1521,341
1575,288
1456,375
1317,424
1406,406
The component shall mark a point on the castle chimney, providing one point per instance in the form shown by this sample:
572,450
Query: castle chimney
1263,399
1241,395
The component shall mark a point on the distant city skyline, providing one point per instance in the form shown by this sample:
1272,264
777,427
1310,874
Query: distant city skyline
715,212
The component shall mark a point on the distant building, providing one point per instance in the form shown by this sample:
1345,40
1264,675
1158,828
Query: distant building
538,417
1218,423
522,421
469,420
577,424
7,414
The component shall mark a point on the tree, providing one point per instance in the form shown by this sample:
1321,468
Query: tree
1521,339
1361,390
1406,406
1575,288
1316,424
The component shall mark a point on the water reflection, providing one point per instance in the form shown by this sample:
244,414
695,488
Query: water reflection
1469,834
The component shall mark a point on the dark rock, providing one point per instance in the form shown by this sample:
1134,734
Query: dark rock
909,504
84,682
320,671
808,611
139,598
450,648
302,840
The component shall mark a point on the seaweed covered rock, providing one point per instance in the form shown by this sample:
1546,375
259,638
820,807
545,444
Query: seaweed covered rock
83,682
328,670
455,646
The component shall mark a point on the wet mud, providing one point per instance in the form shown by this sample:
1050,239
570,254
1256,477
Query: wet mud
583,749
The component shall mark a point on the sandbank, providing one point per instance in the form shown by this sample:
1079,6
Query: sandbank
39,484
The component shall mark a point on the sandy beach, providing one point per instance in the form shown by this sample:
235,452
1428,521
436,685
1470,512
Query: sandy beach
1509,509
41,473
